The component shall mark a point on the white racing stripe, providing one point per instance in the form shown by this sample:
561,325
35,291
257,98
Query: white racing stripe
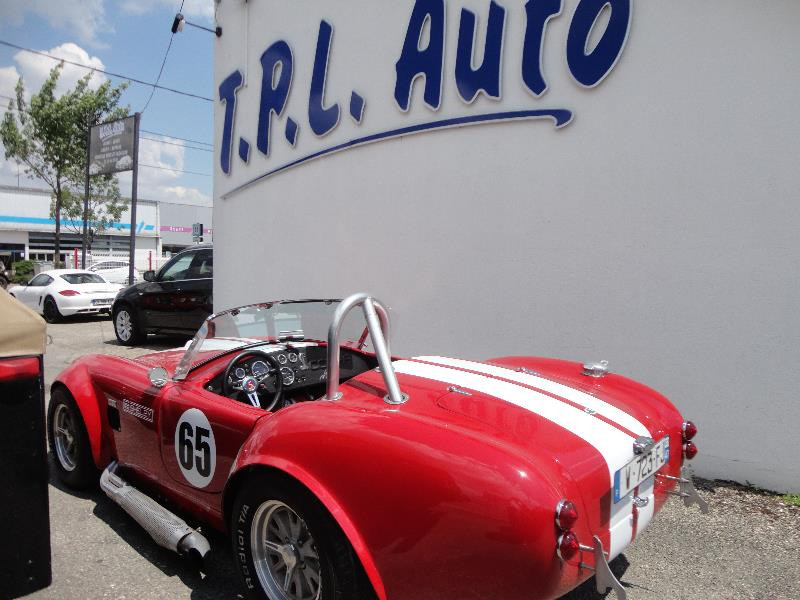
601,407
613,444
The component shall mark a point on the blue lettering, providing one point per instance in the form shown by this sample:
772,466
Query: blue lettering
227,94
321,119
590,69
275,62
415,61
485,78
538,13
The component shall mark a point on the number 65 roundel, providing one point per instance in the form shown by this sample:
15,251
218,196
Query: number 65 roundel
195,448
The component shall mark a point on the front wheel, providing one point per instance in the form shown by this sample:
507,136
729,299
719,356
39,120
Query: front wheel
288,547
69,442
126,326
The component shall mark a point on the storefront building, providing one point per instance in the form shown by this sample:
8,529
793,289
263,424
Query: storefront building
28,231
586,179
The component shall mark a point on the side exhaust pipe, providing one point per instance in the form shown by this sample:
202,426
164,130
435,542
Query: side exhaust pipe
167,529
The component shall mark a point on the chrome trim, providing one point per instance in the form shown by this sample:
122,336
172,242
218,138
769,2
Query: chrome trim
643,444
457,390
378,326
595,369
641,501
526,371
603,577
687,490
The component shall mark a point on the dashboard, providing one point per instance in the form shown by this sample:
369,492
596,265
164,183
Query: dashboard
303,365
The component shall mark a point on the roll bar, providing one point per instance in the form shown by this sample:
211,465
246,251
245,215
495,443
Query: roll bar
378,326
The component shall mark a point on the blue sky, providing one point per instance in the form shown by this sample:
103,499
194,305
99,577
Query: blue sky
127,37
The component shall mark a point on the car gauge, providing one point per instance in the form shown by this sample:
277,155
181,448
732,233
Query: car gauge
259,368
292,357
282,359
239,373
287,375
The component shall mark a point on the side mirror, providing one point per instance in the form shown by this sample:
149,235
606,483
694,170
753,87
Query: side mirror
158,376
149,276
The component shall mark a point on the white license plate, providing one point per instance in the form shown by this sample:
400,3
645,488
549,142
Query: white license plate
640,468
101,301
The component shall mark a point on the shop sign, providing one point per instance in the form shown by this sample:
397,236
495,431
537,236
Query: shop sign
590,55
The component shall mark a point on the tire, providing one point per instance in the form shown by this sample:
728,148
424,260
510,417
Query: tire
3,282
69,442
126,326
335,573
50,310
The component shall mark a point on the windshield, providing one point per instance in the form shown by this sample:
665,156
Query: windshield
288,321
79,278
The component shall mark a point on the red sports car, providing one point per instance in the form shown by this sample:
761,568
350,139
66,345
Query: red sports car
343,472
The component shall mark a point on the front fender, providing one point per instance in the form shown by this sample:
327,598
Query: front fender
77,380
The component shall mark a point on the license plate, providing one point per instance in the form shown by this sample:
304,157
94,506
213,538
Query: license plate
640,468
101,301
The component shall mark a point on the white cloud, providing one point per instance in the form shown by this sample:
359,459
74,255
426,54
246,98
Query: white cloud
35,68
197,9
84,18
161,183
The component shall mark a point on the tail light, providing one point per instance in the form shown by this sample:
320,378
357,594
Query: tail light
689,430
689,450
568,545
566,515
69,293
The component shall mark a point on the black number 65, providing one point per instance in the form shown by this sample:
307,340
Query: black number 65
187,452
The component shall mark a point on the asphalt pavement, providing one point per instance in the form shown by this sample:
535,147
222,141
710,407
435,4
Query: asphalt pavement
748,547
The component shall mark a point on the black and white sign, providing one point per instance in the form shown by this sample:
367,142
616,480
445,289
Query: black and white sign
111,147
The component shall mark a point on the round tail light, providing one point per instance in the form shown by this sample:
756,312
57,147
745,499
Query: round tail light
566,515
689,450
568,546
689,430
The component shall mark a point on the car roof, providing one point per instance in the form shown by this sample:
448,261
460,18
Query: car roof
66,272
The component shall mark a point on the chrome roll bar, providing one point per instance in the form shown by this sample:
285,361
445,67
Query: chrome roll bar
377,319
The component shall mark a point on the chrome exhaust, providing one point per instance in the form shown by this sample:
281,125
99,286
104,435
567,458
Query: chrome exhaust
167,529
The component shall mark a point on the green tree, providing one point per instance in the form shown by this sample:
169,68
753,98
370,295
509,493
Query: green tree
106,204
48,136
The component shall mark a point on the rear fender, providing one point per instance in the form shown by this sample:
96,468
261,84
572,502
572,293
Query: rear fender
76,380
254,456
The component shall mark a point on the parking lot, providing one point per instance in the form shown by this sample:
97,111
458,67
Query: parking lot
747,547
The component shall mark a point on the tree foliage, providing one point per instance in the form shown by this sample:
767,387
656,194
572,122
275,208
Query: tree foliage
48,135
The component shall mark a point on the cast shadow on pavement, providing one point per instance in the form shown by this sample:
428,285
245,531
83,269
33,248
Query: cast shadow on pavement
217,580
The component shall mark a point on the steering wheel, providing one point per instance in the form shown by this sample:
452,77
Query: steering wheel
249,385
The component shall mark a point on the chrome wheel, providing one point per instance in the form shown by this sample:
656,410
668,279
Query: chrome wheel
64,438
284,553
124,325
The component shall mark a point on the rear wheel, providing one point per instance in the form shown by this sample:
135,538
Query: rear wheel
3,282
50,311
289,548
69,442
126,326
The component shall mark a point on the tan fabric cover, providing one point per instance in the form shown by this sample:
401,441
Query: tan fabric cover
22,331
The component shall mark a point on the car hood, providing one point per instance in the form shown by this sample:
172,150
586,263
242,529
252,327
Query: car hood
575,430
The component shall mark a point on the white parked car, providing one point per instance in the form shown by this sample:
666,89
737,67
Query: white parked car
114,270
64,292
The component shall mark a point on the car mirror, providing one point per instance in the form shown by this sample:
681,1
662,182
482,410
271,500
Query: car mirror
158,376
149,275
